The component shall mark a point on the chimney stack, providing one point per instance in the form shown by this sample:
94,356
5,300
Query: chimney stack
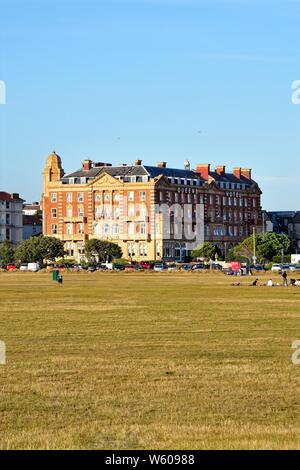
161,164
87,165
246,172
203,170
220,170
237,172
138,162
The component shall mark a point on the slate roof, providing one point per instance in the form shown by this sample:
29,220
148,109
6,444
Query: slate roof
153,172
9,197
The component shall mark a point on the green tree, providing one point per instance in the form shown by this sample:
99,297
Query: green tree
207,250
6,253
101,250
268,246
38,249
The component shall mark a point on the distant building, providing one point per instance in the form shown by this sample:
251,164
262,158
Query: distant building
31,209
11,223
32,226
281,220
294,232
150,211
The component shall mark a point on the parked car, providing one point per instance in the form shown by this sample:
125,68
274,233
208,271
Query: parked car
118,267
172,267
198,267
294,267
11,267
33,267
276,267
24,267
132,267
227,271
146,265
91,269
159,267
186,267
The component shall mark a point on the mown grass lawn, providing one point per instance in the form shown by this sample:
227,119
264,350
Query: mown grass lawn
148,361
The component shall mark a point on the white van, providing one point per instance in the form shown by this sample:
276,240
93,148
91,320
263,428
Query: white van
33,267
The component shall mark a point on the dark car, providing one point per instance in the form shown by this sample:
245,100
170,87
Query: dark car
92,269
186,267
198,267
118,267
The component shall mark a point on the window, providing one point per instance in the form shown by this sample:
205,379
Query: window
69,197
80,212
105,229
201,199
117,212
143,249
131,210
83,180
54,213
69,229
176,197
106,197
131,249
131,228
211,199
80,197
143,229
116,197
81,229
7,219
107,211
7,234
97,198
54,197
189,199
161,196
115,229
69,212
254,202
98,212
142,196
131,196
54,229
7,204
143,210
217,200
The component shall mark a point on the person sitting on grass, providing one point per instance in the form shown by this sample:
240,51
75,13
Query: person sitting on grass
270,283
255,283
293,282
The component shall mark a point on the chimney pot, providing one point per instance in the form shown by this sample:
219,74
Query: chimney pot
87,165
220,170
203,169
162,164
138,162
246,172
237,172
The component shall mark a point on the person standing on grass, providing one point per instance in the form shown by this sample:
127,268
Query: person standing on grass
284,278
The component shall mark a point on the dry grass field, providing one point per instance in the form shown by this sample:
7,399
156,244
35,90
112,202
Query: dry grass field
148,361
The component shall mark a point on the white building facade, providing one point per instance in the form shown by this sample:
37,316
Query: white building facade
11,218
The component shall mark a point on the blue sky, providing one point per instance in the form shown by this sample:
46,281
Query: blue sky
116,80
